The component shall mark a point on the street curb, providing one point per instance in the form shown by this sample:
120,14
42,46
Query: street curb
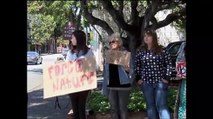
49,54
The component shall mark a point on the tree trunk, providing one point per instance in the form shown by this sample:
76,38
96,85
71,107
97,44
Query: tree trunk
78,21
55,45
132,48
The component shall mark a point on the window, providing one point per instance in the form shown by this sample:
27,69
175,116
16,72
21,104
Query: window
174,49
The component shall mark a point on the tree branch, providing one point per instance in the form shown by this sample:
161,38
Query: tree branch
148,2
78,20
167,6
73,13
76,9
170,18
154,22
154,9
134,14
98,33
121,6
93,20
150,13
119,20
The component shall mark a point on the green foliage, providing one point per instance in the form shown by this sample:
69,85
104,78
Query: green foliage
52,16
62,41
172,97
92,5
99,103
42,28
136,101
85,23
180,24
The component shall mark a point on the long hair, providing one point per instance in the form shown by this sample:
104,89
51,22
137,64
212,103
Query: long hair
156,48
70,46
81,41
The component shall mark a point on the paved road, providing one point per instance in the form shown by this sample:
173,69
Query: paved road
34,73
39,108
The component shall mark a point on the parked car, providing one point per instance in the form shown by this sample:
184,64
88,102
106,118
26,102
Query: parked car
173,48
34,57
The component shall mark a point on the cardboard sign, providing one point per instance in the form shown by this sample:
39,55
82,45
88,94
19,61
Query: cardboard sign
181,69
117,57
69,77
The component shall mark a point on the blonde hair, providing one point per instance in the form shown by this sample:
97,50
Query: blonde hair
116,37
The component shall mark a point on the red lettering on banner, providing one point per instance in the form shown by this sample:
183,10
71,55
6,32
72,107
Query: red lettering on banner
90,74
50,71
83,78
87,77
76,82
78,66
57,70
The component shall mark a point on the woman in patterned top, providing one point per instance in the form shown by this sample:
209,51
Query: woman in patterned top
153,68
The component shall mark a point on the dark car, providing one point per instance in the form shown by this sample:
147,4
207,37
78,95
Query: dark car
34,57
173,48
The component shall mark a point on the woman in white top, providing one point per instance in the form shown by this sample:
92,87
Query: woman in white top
78,50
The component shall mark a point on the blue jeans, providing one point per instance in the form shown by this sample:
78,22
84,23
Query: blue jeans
156,100
118,103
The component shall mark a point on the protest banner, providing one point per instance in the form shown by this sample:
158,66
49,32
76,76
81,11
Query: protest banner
69,77
181,69
117,57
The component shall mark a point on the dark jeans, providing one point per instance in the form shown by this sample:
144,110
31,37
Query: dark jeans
118,103
79,104
156,100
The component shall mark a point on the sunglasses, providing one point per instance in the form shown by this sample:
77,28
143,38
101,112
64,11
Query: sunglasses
113,42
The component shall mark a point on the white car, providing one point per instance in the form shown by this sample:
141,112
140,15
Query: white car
34,57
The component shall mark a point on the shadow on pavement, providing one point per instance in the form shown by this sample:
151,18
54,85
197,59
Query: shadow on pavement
39,108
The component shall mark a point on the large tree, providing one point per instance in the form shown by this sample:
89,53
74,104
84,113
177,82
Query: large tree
130,17
141,16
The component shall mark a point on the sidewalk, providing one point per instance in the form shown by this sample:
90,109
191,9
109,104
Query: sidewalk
44,54
39,108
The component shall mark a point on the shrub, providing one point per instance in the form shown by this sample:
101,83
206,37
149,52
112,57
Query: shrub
99,103
136,100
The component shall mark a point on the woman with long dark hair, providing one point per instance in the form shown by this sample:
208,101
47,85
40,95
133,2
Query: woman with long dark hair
78,50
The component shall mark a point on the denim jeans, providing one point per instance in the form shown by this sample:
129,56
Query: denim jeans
156,100
78,100
118,103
